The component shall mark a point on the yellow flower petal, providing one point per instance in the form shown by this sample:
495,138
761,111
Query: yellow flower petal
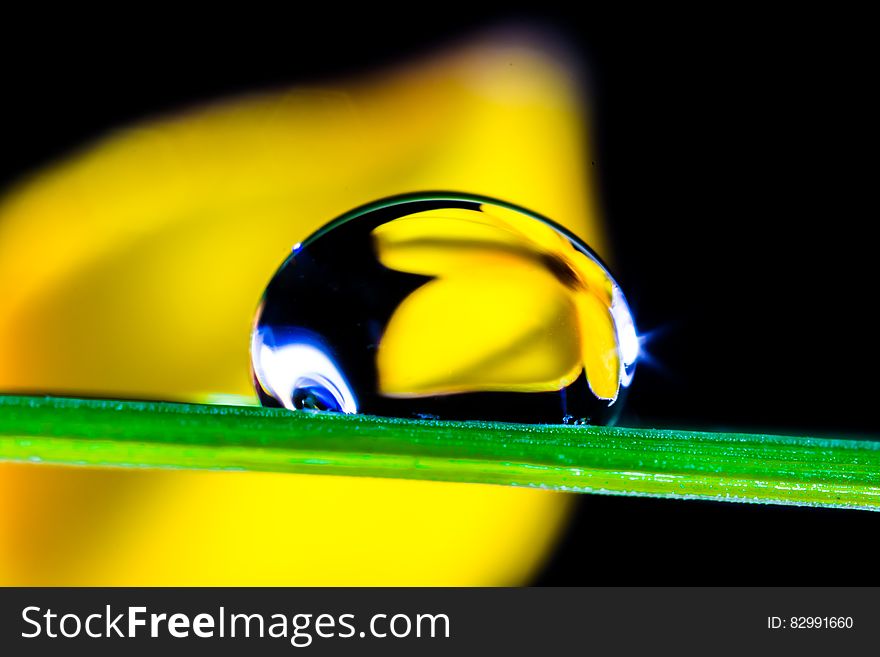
442,241
485,261
550,241
591,276
486,330
439,242
541,235
599,346
144,249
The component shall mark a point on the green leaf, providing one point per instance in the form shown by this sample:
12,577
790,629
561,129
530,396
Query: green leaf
732,467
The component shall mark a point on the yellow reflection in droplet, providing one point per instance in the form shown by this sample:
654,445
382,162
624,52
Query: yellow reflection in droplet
531,311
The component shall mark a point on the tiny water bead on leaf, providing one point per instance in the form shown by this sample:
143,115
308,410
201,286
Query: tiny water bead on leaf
445,306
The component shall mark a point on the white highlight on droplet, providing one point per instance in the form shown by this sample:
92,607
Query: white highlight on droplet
284,368
627,338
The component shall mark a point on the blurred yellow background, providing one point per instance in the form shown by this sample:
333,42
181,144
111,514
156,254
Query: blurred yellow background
134,268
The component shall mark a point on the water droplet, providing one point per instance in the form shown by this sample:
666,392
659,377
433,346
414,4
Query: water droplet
445,306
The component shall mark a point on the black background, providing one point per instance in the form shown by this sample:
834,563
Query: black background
733,155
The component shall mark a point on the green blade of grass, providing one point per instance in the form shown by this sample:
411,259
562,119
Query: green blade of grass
730,467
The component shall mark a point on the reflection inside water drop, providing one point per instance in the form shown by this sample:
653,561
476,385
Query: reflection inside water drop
446,306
